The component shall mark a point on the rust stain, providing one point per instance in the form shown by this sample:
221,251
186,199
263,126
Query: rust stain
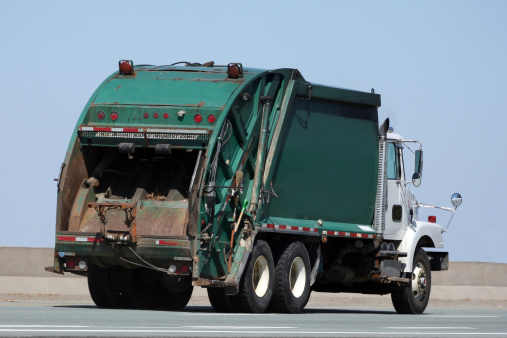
150,221
117,87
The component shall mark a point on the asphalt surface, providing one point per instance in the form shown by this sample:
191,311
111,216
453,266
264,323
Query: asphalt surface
36,303
74,320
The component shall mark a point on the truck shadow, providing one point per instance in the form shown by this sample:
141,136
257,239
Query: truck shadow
350,311
209,310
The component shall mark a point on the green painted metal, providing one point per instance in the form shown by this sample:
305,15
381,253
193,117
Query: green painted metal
259,163
328,93
327,168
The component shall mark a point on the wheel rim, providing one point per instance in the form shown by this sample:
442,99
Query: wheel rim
260,276
419,282
297,277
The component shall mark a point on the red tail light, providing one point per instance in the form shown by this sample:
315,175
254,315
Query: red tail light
71,264
114,116
146,115
211,119
432,219
155,115
184,269
166,116
101,115
197,118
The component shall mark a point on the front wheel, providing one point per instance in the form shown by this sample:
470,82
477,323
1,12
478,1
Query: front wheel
413,298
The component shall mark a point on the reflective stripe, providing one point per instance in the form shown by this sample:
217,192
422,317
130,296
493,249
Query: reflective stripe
148,130
348,234
177,131
289,227
77,239
162,242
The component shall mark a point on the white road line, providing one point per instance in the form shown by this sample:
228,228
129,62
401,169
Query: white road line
462,316
224,314
61,326
238,327
431,327
153,327
367,333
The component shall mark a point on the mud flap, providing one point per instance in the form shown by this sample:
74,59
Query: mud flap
57,265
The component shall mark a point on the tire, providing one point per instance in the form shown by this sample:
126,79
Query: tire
256,285
171,300
139,288
99,284
129,288
413,298
119,277
292,280
219,300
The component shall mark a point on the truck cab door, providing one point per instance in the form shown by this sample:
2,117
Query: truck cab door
396,215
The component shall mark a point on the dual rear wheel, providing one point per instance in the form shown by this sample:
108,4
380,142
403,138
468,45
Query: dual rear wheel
280,284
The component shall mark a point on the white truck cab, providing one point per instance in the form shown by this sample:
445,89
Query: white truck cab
402,223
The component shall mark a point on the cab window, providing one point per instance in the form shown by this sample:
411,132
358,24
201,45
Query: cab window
393,165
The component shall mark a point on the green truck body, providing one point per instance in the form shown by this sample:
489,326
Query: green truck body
164,158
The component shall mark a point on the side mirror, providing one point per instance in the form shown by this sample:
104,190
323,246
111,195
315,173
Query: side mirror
384,127
418,162
416,179
456,200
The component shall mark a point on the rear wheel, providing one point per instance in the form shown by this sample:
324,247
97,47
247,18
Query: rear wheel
171,300
219,300
99,284
413,298
130,290
256,286
292,280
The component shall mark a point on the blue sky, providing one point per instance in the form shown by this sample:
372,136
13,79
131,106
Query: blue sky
440,66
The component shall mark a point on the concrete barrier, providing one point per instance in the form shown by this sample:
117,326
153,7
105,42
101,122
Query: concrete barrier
23,279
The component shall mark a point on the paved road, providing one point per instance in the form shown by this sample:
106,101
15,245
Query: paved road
44,319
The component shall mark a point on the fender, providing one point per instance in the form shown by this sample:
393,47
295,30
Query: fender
412,239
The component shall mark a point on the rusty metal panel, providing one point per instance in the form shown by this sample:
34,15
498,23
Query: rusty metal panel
84,196
154,219
72,176
163,221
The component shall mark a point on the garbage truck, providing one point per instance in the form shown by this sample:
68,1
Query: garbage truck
257,185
